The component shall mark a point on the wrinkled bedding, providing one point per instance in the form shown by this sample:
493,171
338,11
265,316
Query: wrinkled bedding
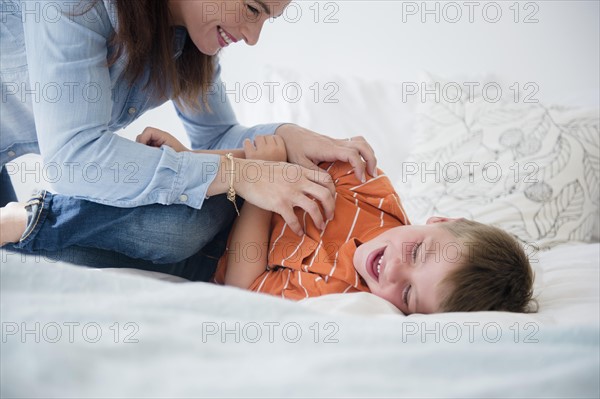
69,331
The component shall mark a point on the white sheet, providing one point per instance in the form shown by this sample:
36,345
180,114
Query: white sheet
378,352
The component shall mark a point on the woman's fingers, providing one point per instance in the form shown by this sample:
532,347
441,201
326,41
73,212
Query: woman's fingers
305,146
312,209
352,156
248,147
322,194
316,174
292,221
281,186
360,155
308,193
366,152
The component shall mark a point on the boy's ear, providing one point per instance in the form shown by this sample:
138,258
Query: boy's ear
439,219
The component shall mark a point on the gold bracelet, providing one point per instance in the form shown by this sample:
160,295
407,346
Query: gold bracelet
231,191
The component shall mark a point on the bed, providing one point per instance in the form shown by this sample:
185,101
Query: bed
112,334
69,331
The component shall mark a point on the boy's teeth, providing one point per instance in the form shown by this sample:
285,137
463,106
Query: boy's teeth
379,265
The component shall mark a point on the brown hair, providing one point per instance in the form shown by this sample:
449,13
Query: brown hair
495,274
145,33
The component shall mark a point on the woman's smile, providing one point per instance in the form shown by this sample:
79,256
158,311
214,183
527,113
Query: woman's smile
225,37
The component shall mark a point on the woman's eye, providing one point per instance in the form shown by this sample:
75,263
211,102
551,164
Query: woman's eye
253,10
414,252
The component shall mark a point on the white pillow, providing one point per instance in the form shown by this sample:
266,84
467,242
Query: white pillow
335,105
529,168
566,289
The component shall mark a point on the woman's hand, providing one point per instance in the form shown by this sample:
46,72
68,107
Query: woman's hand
156,138
294,186
266,148
280,186
307,148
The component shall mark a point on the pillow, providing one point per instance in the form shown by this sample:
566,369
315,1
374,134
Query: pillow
529,168
335,105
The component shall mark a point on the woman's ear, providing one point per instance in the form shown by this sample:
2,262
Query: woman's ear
439,219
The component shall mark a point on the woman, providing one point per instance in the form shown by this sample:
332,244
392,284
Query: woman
73,75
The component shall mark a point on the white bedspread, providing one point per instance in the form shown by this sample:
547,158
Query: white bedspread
196,339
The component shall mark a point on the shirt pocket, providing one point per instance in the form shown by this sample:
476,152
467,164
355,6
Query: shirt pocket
131,101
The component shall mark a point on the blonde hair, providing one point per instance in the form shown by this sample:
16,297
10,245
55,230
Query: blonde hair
496,274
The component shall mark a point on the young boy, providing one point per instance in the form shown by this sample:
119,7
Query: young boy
369,245
445,265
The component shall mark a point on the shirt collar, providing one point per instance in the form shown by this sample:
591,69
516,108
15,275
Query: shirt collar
348,249
111,10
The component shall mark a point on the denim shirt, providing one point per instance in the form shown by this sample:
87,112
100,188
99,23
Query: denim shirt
60,99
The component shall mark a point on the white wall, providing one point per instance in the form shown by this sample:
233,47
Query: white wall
560,52
387,40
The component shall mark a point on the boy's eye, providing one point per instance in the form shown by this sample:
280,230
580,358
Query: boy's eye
414,251
405,295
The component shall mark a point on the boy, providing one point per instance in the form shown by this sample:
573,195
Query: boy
445,265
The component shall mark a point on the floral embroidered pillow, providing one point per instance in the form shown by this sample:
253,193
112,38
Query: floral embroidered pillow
530,169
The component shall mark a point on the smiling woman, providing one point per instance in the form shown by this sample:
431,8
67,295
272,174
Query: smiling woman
214,25
210,26
134,56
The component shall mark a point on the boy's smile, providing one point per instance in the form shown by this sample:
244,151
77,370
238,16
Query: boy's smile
405,265
374,263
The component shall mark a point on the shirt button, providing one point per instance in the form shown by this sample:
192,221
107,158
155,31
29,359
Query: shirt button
183,198
132,110
11,154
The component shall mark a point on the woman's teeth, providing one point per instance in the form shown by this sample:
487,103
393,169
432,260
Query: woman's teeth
224,36
379,265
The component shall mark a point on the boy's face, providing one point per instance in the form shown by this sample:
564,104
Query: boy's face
405,265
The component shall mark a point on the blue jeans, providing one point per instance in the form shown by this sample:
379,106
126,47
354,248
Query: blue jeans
7,192
174,239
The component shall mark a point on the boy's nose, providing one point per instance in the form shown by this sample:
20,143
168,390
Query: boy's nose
397,270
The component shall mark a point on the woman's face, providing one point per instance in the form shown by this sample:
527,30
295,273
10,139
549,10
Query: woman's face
215,24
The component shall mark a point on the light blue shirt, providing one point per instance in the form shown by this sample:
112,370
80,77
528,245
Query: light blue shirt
60,99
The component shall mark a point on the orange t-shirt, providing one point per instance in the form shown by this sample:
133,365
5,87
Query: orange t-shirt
321,262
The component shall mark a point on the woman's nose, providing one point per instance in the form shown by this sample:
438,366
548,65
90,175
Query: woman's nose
251,31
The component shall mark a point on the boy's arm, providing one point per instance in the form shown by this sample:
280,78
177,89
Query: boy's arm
248,247
156,138
235,153
249,244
